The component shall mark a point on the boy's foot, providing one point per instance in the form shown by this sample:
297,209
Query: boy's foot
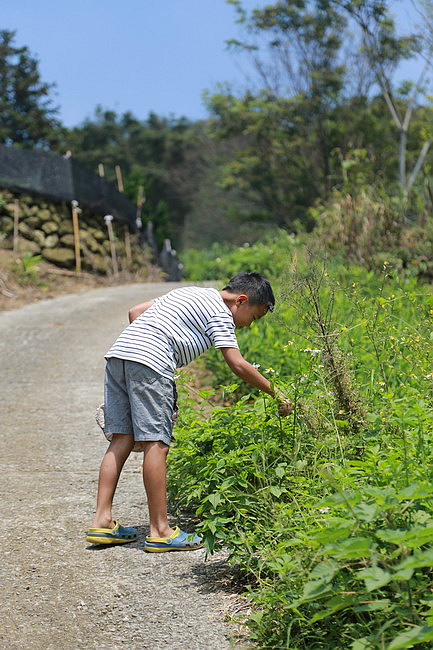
117,535
178,541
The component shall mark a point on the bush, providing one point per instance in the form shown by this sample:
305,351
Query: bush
331,522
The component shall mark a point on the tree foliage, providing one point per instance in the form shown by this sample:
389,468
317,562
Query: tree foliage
325,87
27,115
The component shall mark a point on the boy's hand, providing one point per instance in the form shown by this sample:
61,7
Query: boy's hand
285,406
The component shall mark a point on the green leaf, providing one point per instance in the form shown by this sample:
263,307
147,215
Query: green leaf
413,538
365,511
374,578
276,491
416,491
417,560
325,570
374,606
361,644
354,547
315,589
334,605
403,574
340,530
411,636
214,499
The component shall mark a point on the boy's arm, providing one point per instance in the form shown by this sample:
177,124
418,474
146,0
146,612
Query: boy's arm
248,373
139,309
245,370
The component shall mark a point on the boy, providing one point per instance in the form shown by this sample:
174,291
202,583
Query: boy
165,334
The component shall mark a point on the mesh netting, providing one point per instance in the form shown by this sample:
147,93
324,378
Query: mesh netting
62,178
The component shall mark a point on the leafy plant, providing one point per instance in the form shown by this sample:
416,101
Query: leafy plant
331,523
26,268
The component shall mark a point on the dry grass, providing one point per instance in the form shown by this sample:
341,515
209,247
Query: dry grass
17,290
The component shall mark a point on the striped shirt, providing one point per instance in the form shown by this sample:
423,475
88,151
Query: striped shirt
176,329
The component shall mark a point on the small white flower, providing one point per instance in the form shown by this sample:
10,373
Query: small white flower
324,510
314,352
381,383
268,370
256,365
289,342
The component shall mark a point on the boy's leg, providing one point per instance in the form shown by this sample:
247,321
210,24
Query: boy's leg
118,451
154,478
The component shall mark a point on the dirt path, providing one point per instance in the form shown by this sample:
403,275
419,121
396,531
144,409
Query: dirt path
58,591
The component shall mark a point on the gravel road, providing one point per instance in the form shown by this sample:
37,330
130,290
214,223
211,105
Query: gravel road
59,591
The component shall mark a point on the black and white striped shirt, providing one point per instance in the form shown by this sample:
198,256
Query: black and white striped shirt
176,329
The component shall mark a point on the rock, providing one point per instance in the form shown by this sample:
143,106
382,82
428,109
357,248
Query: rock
38,236
33,221
90,241
49,227
65,227
60,256
44,215
9,208
27,246
97,263
24,229
6,224
99,235
51,241
67,240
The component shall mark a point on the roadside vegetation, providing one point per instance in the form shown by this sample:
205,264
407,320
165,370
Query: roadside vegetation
328,513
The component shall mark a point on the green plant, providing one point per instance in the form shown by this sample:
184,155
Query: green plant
332,524
26,268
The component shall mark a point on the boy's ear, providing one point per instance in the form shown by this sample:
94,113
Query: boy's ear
242,297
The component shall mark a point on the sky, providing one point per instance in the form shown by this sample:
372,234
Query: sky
134,55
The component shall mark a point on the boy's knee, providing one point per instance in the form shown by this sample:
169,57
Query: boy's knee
156,446
122,440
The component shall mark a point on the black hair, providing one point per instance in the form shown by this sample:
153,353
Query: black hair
255,286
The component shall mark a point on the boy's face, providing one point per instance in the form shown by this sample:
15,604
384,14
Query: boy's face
245,313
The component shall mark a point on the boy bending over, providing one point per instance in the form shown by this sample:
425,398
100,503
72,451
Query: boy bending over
139,392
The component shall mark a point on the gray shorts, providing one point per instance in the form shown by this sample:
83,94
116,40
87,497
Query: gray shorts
138,400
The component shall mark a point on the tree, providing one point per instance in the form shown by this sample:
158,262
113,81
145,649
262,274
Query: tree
320,65
161,154
384,50
27,116
289,138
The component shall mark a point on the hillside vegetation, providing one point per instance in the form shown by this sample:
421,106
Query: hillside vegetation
327,513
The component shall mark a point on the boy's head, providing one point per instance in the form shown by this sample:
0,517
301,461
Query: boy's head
252,297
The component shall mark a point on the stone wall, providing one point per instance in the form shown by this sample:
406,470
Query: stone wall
45,228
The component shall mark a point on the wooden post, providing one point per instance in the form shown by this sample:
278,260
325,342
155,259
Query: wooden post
128,251
108,219
16,224
101,170
119,178
140,200
75,212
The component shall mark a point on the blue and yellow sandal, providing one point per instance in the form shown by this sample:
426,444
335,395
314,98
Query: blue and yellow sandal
178,541
117,535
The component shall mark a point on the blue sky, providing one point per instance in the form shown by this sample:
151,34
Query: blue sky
137,55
